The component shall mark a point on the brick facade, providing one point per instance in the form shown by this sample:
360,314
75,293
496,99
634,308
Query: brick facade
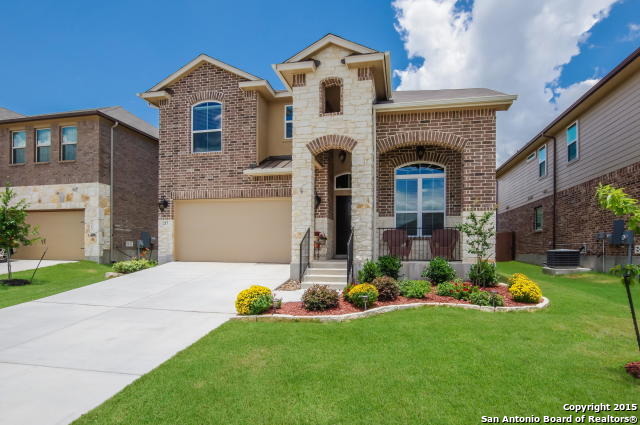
579,217
187,175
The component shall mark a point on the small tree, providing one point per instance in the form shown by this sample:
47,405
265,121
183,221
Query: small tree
621,204
14,230
478,230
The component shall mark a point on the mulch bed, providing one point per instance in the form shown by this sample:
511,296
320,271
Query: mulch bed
15,282
633,369
296,309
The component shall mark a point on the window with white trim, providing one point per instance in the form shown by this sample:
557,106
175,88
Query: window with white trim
18,145
43,144
69,143
572,142
288,121
420,198
206,127
542,161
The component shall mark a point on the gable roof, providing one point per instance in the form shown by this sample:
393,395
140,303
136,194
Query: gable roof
200,59
446,98
112,113
7,114
327,40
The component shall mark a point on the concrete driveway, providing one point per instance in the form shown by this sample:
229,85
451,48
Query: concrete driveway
63,355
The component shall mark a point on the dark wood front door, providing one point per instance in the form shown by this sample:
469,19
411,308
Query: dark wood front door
343,223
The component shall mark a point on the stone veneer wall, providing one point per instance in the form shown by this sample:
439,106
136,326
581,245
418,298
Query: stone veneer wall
93,198
354,121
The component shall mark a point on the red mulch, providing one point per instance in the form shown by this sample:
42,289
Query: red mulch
295,308
633,369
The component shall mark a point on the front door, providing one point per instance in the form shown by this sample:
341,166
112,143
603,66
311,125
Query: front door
343,223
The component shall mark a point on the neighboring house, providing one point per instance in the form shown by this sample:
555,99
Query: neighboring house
548,199
61,165
247,171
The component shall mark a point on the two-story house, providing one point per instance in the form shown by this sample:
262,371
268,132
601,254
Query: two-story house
546,191
249,173
90,179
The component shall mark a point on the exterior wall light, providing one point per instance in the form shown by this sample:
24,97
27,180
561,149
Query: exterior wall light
163,203
420,151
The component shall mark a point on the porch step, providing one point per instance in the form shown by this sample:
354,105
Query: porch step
332,273
333,285
329,264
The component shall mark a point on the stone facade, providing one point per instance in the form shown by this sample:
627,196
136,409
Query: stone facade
311,125
579,219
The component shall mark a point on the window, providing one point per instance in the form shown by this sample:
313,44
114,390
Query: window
331,96
206,127
343,181
288,121
420,198
572,142
542,161
43,144
18,145
531,156
538,215
69,137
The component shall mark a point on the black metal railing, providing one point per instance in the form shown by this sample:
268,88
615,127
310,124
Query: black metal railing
350,277
420,244
304,253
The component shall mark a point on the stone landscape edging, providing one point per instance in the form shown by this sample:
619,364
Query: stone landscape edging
387,308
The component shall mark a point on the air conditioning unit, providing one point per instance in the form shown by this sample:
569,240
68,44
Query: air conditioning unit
563,258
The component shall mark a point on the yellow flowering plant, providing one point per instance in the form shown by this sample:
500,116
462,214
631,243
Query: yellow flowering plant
255,300
523,289
363,295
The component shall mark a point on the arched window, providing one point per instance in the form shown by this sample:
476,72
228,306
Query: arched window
343,181
206,127
420,198
331,96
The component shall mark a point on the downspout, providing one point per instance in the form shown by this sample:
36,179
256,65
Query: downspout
555,191
111,181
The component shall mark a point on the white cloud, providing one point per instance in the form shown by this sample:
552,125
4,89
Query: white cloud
633,34
517,47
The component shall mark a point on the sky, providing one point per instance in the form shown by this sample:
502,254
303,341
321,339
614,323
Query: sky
60,56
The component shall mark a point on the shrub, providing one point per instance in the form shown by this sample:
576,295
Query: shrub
389,266
255,300
369,271
525,290
463,291
485,298
320,297
445,289
515,278
414,288
358,291
345,292
131,266
439,270
388,289
483,273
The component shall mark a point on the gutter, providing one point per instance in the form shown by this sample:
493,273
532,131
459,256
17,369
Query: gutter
111,181
555,190
480,101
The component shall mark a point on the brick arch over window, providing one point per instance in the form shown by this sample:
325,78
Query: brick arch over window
331,141
205,95
424,137
428,157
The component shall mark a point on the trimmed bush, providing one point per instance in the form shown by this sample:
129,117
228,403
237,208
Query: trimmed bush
358,291
131,266
414,288
486,298
483,274
320,297
445,289
439,270
389,266
388,289
369,271
255,300
345,292
525,290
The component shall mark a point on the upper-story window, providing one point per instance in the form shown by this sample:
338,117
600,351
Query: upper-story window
43,144
572,142
542,161
331,96
206,127
18,145
288,121
420,198
68,143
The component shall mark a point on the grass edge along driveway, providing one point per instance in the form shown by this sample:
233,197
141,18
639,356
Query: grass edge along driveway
422,366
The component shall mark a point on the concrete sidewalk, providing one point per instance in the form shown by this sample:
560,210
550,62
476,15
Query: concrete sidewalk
21,265
64,355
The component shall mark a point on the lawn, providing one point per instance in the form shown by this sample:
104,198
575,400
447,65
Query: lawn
52,280
423,366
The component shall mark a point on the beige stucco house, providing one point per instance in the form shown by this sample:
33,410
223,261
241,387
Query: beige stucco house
335,166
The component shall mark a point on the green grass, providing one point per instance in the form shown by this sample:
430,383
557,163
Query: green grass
422,366
51,280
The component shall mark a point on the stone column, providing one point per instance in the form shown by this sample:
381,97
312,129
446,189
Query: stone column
302,202
362,200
